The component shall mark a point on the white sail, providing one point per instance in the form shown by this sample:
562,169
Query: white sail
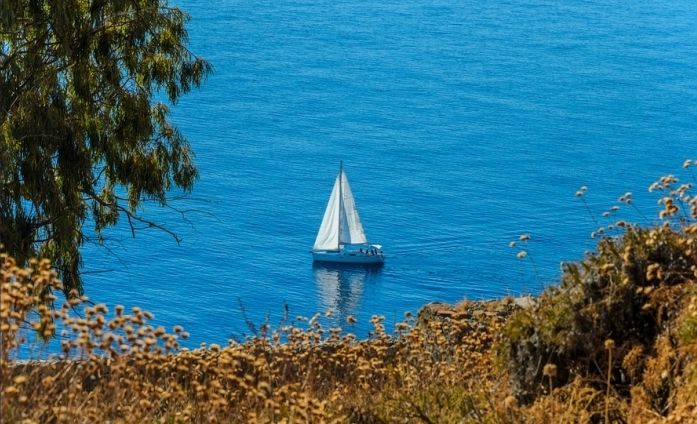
341,223
351,228
328,234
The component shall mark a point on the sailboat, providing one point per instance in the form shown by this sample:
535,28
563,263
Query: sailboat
341,238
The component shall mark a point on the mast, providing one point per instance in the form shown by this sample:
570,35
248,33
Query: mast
341,201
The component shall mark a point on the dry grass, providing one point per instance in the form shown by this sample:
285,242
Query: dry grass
616,341
117,368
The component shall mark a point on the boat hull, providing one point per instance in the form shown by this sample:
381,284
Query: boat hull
347,258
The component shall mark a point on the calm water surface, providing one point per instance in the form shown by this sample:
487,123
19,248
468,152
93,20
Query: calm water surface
462,124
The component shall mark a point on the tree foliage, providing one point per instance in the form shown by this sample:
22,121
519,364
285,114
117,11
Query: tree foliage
82,137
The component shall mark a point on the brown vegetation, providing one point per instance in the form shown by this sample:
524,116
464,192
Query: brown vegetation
118,368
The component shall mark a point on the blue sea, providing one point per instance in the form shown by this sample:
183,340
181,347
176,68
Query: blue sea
461,124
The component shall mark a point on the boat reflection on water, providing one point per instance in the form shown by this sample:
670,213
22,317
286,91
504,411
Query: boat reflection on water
340,286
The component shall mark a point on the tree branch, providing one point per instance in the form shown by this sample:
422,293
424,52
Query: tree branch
131,216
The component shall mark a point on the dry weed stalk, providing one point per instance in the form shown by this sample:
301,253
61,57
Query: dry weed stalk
116,367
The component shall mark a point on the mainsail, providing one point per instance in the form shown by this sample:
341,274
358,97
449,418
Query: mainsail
341,223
